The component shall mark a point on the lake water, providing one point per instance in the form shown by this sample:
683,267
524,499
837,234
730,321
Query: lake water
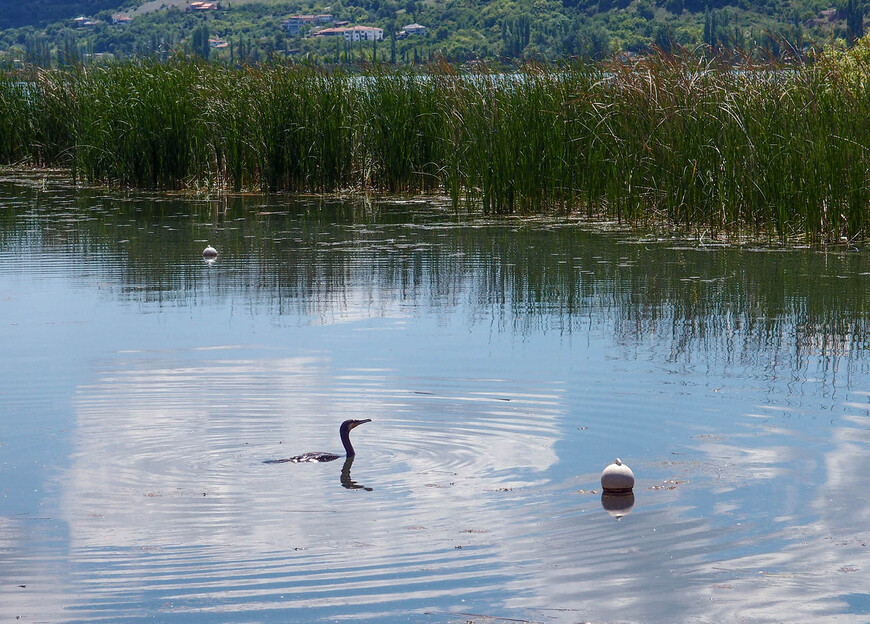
504,363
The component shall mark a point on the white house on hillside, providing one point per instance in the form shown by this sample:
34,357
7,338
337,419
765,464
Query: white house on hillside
85,22
414,29
295,22
354,33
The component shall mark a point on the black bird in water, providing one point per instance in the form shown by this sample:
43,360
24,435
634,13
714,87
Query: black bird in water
320,456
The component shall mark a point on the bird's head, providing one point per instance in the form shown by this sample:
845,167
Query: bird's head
347,425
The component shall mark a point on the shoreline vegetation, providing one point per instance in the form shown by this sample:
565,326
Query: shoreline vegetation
679,140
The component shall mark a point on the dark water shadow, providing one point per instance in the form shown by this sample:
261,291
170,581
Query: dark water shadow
347,481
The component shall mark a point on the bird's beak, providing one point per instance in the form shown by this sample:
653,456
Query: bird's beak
357,423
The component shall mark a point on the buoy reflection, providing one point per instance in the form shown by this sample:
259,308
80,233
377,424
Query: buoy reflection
617,505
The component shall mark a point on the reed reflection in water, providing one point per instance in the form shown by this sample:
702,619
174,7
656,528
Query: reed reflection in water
503,364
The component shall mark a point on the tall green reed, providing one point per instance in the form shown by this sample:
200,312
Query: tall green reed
35,111
674,140
140,123
400,136
16,116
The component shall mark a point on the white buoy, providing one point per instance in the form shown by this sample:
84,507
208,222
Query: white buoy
617,478
209,252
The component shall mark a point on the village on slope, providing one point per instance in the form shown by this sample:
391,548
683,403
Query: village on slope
319,25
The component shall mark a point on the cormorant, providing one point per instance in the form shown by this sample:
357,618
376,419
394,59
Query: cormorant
320,456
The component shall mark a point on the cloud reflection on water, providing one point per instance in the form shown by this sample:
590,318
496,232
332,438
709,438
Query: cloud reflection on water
723,371
171,456
671,562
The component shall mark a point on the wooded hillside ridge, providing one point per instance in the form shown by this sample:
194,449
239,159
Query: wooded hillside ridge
59,32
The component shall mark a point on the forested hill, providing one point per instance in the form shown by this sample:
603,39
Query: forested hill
40,13
46,32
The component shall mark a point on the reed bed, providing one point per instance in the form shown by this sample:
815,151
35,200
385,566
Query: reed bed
678,141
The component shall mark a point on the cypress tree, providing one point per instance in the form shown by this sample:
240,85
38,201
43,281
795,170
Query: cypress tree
854,20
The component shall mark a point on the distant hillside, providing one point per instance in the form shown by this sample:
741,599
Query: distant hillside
458,30
15,13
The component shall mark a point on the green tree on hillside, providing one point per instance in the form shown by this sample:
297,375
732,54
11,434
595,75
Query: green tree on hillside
515,34
717,31
663,39
201,46
854,20
37,49
68,52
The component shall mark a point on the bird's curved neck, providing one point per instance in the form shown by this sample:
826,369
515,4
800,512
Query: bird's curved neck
345,439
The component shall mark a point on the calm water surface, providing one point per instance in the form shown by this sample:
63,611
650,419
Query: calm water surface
503,364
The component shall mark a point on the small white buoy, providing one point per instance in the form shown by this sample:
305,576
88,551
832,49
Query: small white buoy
617,478
209,252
